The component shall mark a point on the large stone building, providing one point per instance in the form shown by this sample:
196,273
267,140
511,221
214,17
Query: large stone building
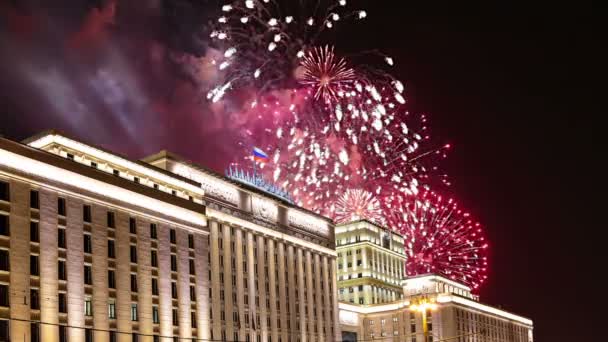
371,263
97,247
378,301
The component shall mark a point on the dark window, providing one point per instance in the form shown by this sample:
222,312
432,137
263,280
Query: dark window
192,293
86,213
34,266
88,335
154,258
34,299
136,179
156,338
156,186
94,165
88,244
88,275
34,232
134,337
174,290
35,332
70,156
155,317
111,249
111,279
4,296
61,206
5,191
190,241
173,192
61,271
133,283
174,262
133,253
191,265
5,264
172,236
190,198
61,238
175,317
153,234
34,199
113,337
63,307
111,220
4,225
116,172
132,226
154,286
134,312
63,333
193,320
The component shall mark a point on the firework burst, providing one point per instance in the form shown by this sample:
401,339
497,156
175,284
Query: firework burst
326,74
331,125
357,204
441,238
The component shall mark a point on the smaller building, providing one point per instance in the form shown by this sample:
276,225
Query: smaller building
435,308
371,263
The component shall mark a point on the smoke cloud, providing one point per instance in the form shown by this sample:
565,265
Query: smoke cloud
127,75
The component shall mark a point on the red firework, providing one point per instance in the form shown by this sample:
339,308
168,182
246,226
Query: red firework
325,73
441,238
358,204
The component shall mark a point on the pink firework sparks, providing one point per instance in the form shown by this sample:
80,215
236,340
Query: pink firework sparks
325,73
441,238
358,204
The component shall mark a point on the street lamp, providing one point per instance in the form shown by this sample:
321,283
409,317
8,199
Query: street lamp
422,305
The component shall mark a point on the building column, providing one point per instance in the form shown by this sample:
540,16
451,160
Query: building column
336,321
227,285
165,302
292,273
19,260
283,285
144,280
183,284
215,281
240,289
75,271
318,292
309,297
327,299
49,307
123,276
262,289
272,291
99,236
301,299
202,285
251,286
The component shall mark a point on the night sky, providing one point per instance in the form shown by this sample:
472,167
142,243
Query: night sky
508,83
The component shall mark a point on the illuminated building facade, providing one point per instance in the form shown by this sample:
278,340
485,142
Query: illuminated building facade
436,308
97,247
371,263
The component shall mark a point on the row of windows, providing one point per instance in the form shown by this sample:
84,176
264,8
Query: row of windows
135,179
5,334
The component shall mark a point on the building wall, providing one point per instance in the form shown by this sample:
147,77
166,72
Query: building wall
278,297
444,323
